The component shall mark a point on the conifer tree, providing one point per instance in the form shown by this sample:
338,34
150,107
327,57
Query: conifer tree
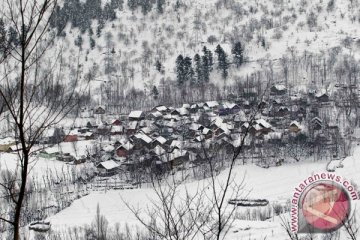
116,4
92,43
133,4
109,12
177,5
198,69
223,64
155,92
238,54
93,8
158,66
209,56
100,26
160,6
219,52
79,41
146,6
188,69
180,70
205,69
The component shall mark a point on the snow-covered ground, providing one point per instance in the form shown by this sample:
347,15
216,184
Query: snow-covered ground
38,166
275,184
41,167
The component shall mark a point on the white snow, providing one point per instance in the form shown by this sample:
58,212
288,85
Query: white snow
108,165
275,184
7,140
144,137
135,114
212,104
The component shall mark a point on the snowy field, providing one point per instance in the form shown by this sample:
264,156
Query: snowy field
275,184
41,167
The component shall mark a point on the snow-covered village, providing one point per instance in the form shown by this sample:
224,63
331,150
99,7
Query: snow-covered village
179,119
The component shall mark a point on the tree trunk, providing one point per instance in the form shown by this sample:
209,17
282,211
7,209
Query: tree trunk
18,207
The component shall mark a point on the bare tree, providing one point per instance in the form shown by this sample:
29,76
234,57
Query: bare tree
170,216
287,227
220,215
32,91
100,224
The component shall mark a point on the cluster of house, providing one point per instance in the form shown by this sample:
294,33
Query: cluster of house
168,137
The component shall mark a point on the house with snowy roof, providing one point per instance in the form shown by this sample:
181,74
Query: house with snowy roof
108,168
295,127
116,122
103,129
53,136
131,128
141,140
261,126
322,97
278,89
124,150
158,150
184,111
91,123
161,108
117,130
239,119
159,141
136,116
282,111
194,108
227,108
199,138
211,105
99,110
316,123
186,106
72,136
207,133
155,115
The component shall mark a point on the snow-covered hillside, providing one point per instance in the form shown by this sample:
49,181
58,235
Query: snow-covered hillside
131,44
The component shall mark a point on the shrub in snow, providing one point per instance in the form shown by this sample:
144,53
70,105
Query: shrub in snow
308,42
286,19
330,6
278,209
285,27
278,34
249,202
311,20
319,8
40,226
347,42
212,39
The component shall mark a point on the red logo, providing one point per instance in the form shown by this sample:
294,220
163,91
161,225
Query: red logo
325,206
